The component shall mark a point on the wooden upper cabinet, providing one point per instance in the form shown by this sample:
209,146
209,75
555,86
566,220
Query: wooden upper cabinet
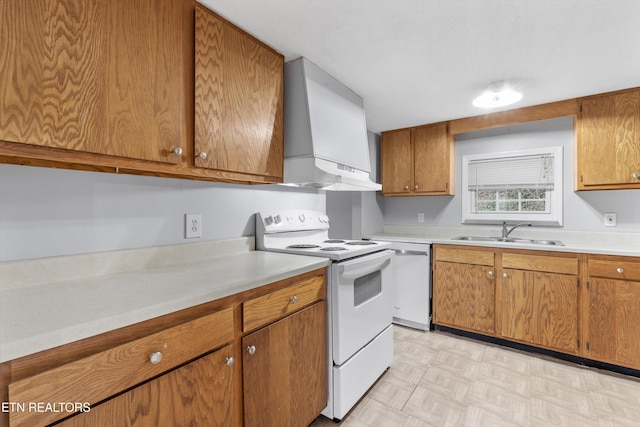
92,76
397,162
238,100
608,150
433,150
418,161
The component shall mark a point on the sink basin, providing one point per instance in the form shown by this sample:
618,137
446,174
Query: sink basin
542,242
483,239
510,240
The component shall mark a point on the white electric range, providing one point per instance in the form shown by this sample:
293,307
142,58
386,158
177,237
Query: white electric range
359,299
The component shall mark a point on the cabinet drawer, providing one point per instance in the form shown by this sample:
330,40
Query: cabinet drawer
465,256
105,374
614,269
548,264
268,308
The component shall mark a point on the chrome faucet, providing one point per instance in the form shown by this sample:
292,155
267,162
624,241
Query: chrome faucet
506,231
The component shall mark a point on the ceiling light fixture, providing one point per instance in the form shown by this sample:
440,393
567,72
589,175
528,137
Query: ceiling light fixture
498,94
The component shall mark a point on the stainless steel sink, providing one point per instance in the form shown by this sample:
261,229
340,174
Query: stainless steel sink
510,240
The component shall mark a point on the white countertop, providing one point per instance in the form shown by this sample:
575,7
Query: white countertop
625,244
38,312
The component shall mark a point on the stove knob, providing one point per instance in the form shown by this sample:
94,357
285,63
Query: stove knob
277,219
268,220
301,218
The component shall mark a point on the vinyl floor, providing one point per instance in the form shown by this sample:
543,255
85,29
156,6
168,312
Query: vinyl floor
437,379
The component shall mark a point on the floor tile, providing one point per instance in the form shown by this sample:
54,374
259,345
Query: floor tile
437,379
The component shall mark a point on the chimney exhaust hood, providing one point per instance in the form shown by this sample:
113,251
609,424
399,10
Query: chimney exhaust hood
325,132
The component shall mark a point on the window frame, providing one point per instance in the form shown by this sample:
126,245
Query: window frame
553,217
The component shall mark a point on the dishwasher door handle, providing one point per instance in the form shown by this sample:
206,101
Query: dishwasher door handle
408,252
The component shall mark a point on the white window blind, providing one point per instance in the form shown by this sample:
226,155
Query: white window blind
529,171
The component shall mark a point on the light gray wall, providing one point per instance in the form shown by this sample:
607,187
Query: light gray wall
354,214
48,212
583,211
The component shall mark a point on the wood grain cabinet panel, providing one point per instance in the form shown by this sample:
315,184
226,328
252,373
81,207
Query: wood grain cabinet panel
285,370
522,296
612,312
433,159
614,268
608,146
613,318
464,293
238,100
108,373
91,76
397,167
273,306
418,161
546,263
196,394
466,256
539,308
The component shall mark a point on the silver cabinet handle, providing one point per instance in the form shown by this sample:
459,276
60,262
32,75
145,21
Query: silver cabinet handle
251,349
202,155
155,357
635,175
416,187
505,275
490,273
294,299
229,361
406,187
177,150
620,270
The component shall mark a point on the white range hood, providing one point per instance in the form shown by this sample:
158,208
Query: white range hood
325,133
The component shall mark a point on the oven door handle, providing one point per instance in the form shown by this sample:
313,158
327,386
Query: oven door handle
363,266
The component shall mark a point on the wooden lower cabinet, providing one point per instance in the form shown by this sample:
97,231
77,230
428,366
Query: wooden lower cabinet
188,368
285,370
464,289
101,376
196,394
530,297
539,308
613,310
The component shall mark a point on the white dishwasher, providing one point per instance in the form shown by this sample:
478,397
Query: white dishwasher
411,279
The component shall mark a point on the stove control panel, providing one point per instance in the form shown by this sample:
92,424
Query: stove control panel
291,220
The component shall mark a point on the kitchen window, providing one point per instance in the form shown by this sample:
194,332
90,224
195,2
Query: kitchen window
513,186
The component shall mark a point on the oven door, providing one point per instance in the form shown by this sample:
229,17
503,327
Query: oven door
361,302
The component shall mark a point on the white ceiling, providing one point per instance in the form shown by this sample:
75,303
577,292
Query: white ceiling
423,61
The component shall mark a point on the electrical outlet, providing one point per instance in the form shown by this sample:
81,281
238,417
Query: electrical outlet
609,220
420,216
192,226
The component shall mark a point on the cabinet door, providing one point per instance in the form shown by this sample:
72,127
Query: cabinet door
286,372
432,159
464,296
613,316
609,139
92,76
539,308
197,394
238,100
397,162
